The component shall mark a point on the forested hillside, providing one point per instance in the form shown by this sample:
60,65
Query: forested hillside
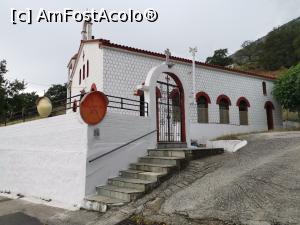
279,49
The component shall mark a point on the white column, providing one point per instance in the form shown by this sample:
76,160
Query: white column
193,52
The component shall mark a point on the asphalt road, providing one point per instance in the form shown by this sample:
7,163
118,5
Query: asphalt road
260,184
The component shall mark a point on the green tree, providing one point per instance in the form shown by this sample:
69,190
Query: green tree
220,58
12,97
280,48
287,89
23,102
2,86
57,93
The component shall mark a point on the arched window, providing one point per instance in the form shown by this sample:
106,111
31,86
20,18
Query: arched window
224,103
243,105
202,107
87,68
79,76
264,86
83,72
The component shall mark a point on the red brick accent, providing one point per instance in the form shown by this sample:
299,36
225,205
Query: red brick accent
223,97
139,92
269,104
242,99
202,93
93,87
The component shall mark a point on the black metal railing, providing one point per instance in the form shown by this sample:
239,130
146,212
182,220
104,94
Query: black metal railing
72,103
128,104
121,146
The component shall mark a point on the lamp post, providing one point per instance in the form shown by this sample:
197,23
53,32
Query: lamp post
193,52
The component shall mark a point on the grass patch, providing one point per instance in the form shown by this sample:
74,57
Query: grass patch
228,137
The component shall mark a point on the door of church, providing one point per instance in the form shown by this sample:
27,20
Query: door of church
169,111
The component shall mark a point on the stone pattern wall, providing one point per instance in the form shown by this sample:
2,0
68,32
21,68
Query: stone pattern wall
123,71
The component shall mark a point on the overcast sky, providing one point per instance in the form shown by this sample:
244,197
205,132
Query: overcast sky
39,53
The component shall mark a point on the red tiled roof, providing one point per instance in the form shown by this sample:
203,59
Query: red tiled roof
107,43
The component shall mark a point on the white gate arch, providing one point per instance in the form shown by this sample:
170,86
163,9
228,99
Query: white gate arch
149,89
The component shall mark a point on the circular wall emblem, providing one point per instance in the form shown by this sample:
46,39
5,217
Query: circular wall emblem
93,107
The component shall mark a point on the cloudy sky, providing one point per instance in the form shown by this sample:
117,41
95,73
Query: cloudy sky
39,53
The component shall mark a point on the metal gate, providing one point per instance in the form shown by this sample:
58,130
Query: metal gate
169,115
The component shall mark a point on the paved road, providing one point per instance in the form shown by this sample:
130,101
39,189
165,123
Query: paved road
258,185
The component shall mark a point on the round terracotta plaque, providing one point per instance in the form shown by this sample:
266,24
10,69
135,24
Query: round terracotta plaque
93,107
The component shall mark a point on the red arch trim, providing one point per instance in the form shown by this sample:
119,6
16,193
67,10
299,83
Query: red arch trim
158,93
242,99
203,94
223,97
269,104
93,87
139,92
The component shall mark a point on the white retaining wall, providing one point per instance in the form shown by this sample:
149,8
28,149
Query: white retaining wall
49,158
45,159
116,130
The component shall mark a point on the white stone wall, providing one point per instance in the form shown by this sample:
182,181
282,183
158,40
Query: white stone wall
93,53
123,71
116,130
45,159
49,158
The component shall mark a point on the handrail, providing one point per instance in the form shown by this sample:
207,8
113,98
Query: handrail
65,104
117,148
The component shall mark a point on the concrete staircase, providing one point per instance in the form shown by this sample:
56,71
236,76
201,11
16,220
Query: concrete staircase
143,176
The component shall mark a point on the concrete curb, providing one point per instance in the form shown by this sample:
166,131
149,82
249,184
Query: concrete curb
228,145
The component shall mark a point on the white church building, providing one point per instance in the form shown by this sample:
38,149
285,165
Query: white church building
224,101
155,101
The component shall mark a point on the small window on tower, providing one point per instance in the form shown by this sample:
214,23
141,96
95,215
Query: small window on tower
264,86
79,76
83,72
87,68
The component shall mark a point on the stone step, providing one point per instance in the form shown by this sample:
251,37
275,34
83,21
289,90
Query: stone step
162,145
101,203
125,194
161,168
170,160
168,152
139,184
188,153
105,200
144,175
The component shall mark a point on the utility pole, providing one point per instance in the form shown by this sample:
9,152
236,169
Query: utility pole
193,52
